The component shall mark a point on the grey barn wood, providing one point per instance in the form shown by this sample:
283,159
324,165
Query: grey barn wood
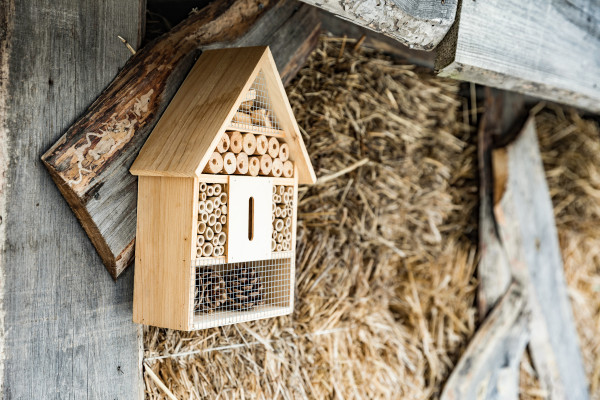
418,24
66,326
548,49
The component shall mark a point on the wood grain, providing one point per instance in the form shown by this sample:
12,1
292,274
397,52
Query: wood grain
545,49
166,227
110,133
67,329
419,24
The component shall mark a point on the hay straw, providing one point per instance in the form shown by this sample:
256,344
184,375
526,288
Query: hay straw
385,253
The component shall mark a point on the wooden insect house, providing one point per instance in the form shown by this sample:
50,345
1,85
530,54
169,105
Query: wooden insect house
217,198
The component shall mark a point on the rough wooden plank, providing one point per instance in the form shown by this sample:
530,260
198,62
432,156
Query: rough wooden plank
100,189
525,218
418,24
545,49
520,245
67,328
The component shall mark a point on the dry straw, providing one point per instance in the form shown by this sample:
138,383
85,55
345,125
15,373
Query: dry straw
386,248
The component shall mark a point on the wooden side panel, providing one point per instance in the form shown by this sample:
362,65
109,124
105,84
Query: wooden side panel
165,233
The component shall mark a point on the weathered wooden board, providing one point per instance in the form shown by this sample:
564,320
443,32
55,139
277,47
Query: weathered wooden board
66,326
90,163
519,244
546,49
418,24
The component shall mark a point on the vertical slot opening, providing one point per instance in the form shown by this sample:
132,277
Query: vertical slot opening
251,218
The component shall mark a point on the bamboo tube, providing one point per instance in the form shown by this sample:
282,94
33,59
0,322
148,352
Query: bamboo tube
204,217
278,224
273,217
218,227
210,191
223,145
266,163
217,251
207,250
274,234
242,118
222,238
262,144
223,209
199,252
286,245
279,247
280,238
277,169
217,189
217,212
273,245
212,220
215,241
248,143
199,241
202,196
288,169
278,212
223,219
290,190
201,207
209,234
229,163
241,163
284,152
288,236
210,206
223,199
215,201
288,222
221,250
253,166
273,148
287,199
283,212
235,141
261,117
277,198
275,189
215,164
202,186
201,227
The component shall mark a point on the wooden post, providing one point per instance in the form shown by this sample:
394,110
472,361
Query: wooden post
66,328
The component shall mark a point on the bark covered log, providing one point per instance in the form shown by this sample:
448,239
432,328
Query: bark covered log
90,163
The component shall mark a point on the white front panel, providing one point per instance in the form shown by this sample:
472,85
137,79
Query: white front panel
250,226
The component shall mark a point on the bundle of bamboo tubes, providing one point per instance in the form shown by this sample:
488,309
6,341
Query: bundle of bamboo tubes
212,220
282,217
248,154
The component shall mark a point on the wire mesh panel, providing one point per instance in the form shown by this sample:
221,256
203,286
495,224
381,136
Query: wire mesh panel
256,110
228,293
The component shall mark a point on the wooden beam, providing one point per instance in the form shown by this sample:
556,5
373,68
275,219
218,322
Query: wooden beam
418,24
544,49
65,329
90,163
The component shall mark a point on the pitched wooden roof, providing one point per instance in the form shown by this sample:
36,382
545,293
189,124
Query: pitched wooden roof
191,126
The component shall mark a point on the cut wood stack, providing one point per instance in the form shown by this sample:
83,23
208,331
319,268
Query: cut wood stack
212,220
210,292
283,212
248,154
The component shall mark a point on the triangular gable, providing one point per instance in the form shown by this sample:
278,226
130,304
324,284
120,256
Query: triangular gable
206,105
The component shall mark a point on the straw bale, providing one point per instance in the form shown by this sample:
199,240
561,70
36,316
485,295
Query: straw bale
386,248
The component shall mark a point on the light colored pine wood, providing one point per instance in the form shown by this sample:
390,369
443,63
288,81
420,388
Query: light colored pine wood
166,234
208,178
239,246
257,130
544,49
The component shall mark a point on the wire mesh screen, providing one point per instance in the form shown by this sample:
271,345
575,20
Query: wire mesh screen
256,110
229,293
